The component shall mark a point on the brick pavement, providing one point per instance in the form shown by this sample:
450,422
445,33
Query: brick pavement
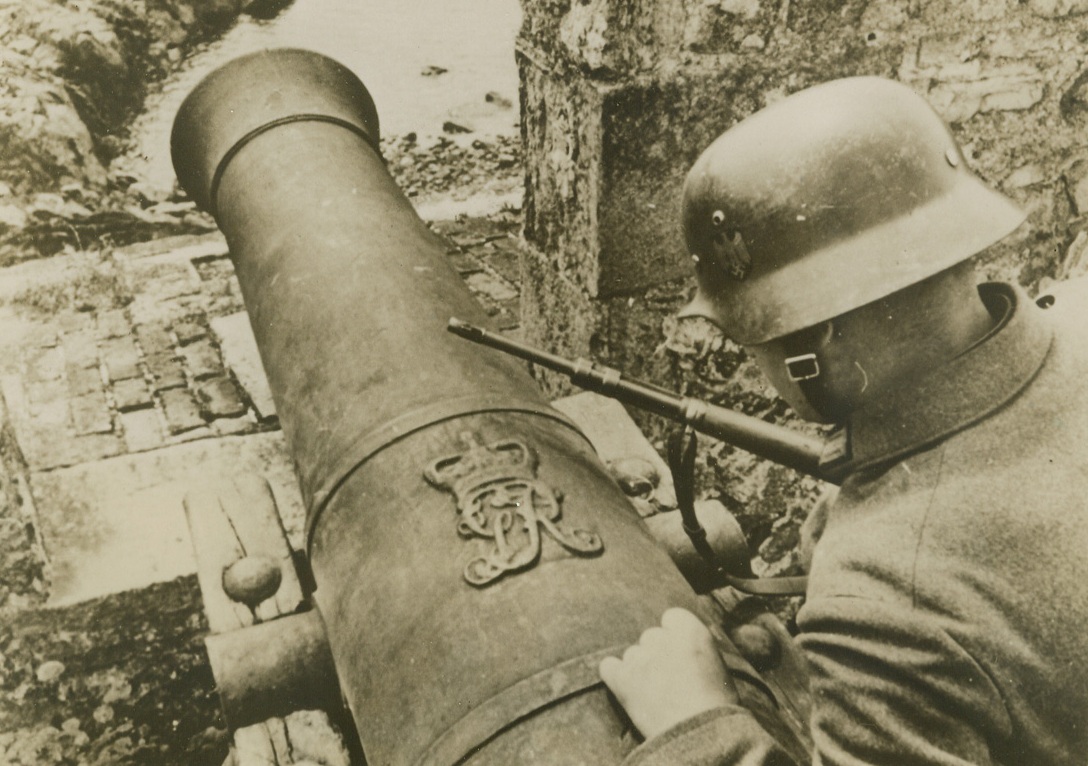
106,358
127,380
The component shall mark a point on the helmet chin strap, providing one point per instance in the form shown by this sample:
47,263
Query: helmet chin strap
803,368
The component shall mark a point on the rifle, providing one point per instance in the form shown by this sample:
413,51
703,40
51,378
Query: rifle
808,454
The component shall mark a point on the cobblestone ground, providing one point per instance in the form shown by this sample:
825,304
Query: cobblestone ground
130,376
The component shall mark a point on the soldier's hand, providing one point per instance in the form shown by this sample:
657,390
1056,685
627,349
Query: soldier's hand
673,673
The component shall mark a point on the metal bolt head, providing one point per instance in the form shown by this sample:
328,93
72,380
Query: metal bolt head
252,579
636,476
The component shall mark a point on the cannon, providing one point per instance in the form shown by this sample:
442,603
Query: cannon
471,558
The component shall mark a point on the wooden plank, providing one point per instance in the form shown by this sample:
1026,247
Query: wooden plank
216,547
256,521
261,744
228,521
304,737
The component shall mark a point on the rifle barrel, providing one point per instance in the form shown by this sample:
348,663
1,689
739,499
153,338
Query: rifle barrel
767,440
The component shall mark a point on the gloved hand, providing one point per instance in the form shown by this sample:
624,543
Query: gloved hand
673,673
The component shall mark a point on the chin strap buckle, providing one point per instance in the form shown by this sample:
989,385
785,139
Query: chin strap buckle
803,367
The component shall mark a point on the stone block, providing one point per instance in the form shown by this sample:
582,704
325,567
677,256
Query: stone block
745,9
84,380
243,424
75,322
131,394
1074,264
141,429
48,406
465,263
38,442
1076,185
166,371
728,26
490,287
178,287
607,164
241,355
118,524
1025,176
111,324
155,339
121,358
91,414
75,450
557,315
605,36
960,90
562,135
202,359
219,398
503,261
41,336
189,330
508,314
185,246
149,308
44,365
163,280
1008,92
626,332
1056,9
80,349
181,411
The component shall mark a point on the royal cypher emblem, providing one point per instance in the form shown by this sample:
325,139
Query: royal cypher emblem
501,500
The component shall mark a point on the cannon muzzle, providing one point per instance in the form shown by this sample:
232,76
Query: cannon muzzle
473,559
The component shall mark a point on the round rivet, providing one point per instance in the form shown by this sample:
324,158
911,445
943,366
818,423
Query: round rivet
953,157
252,579
757,645
717,218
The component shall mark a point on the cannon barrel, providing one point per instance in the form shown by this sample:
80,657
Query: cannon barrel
473,559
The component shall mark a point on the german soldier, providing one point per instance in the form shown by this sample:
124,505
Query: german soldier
946,610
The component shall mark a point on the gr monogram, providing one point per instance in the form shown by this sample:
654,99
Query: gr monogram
501,500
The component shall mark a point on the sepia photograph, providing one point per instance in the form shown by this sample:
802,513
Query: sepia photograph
544,382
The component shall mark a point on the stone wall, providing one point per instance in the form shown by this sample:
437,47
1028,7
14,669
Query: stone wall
620,96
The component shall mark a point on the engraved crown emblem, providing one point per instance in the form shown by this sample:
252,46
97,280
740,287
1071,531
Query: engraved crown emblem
503,460
502,503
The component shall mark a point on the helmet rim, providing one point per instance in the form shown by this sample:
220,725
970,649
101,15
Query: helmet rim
827,200
844,275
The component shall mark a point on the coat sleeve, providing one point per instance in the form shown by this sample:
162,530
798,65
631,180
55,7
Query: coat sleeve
891,685
725,736
888,687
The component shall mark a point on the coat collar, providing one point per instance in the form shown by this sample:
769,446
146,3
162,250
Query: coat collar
976,383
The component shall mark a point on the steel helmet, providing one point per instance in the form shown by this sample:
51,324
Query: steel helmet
832,198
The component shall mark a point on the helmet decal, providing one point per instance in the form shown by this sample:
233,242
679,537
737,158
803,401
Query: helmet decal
732,254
